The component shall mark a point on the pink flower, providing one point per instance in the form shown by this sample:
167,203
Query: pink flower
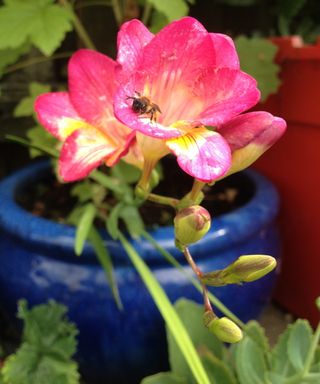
83,117
185,79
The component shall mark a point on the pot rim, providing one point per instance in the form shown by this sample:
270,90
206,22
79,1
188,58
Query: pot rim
57,240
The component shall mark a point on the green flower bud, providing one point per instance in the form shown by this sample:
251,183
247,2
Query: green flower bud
252,267
244,270
190,225
224,329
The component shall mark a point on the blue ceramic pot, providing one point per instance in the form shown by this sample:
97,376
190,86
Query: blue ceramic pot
38,263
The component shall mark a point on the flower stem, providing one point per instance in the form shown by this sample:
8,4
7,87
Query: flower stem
78,26
191,262
213,299
146,13
163,200
117,11
36,60
196,189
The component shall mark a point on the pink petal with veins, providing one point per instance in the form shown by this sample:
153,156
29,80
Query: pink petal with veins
260,128
132,37
225,51
91,86
83,151
56,113
225,93
202,154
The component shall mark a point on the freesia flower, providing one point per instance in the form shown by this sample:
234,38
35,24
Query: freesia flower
83,118
192,78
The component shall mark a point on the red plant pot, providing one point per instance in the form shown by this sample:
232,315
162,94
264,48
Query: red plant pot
293,164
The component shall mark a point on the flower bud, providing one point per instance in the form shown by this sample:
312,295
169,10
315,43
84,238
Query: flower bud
190,225
224,329
252,267
244,270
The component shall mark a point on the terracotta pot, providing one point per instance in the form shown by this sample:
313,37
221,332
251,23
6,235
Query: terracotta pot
293,164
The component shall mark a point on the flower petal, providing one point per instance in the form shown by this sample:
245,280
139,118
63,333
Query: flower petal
165,73
202,154
56,113
132,37
250,135
226,93
225,51
83,151
91,86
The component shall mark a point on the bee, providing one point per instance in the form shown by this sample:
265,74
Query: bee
142,105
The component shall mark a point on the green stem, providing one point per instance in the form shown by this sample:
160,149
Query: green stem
196,189
117,11
213,299
36,60
92,3
146,13
39,147
163,200
78,26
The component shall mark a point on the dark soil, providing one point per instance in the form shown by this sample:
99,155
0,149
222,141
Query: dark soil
52,200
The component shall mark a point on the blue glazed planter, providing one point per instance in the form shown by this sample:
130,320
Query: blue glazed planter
38,263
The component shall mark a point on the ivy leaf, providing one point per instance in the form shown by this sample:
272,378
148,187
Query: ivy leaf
42,22
257,58
172,9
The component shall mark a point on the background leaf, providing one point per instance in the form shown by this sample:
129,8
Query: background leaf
83,227
164,378
48,345
191,314
299,342
40,21
257,58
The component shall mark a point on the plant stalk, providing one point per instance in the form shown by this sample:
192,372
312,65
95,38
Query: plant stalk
78,26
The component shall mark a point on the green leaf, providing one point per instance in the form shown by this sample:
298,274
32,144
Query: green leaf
219,372
299,342
83,228
108,182
158,21
113,220
254,330
129,173
26,105
257,58
134,223
172,9
39,137
191,314
10,56
105,260
48,345
168,313
82,191
279,362
250,361
164,378
43,23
